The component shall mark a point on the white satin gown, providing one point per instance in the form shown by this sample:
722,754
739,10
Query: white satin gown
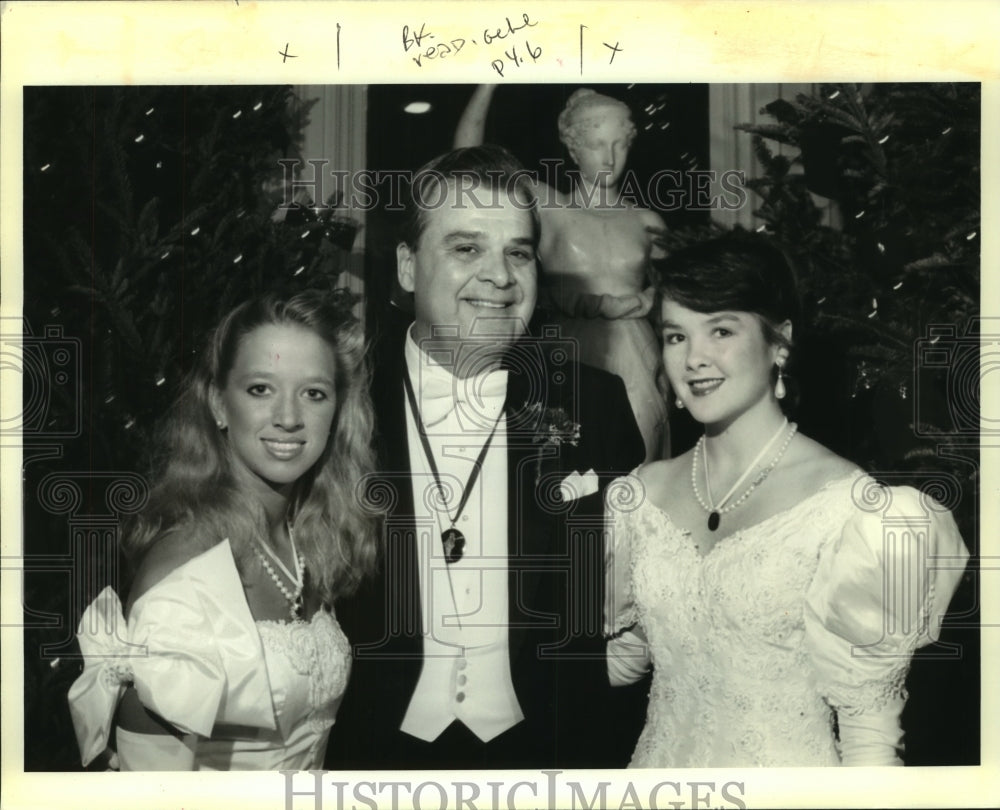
259,695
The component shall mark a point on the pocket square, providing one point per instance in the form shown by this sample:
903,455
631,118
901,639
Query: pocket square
575,486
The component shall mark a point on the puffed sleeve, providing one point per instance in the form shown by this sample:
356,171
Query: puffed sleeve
879,593
190,648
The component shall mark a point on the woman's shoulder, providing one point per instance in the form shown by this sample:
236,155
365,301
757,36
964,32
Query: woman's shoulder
168,552
810,466
657,476
864,503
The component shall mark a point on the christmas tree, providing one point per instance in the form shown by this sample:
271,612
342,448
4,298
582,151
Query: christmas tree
149,212
901,162
890,364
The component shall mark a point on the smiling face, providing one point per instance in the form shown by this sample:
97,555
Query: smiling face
278,404
719,363
473,270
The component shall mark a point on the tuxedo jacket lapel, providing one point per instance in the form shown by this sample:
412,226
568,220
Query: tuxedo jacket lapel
529,528
401,572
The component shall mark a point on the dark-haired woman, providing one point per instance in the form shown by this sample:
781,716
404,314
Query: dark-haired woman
779,591
230,656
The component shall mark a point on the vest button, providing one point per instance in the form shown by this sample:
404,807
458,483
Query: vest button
460,697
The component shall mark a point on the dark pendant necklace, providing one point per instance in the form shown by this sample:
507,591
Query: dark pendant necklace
452,540
714,509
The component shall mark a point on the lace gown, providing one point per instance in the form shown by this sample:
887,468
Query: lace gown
260,695
757,644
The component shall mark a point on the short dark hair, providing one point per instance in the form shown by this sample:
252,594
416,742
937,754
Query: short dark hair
739,271
488,165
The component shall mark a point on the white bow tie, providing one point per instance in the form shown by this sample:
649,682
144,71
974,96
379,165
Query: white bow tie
481,397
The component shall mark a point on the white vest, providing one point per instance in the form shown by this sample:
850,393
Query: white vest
464,609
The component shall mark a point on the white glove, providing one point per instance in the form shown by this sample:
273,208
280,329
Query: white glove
872,737
628,658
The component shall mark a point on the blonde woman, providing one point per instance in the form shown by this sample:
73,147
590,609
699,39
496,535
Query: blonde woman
228,655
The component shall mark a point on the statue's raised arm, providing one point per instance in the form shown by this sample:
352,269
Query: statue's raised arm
472,125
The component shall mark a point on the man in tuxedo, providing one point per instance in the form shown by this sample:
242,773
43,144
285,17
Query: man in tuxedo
480,643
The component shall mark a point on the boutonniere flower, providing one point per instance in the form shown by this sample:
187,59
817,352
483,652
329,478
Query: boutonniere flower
554,429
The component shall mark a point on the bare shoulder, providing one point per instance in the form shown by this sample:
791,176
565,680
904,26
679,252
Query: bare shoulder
169,551
812,465
664,475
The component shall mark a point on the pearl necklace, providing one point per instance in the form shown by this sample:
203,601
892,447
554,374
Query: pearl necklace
717,510
294,598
